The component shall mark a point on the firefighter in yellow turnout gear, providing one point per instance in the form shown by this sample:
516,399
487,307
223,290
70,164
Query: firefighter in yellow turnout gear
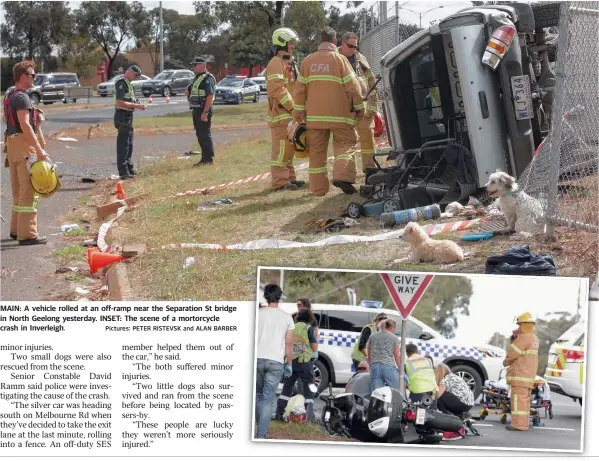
281,74
522,361
421,375
328,97
365,126
305,347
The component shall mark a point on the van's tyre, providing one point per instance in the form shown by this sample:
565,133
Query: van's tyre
166,91
48,103
35,99
546,14
103,95
471,376
324,375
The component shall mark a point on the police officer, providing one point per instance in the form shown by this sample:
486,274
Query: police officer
200,95
360,352
125,104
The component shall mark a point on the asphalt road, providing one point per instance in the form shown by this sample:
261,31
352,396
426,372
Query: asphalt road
62,119
26,271
563,432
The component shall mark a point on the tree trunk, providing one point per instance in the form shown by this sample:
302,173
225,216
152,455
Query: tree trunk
250,72
279,13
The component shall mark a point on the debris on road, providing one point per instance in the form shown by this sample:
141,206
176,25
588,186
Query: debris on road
67,139
215,203
68,227
88,180
190,261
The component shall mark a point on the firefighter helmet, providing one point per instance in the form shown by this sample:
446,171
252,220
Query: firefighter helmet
281,37
525,318
44,179
296,133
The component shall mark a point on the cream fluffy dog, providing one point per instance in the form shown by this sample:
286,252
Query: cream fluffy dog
425,249
523,213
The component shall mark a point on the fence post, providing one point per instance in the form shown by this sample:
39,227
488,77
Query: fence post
556,120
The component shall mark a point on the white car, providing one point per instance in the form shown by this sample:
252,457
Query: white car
565,363
236,89
340,327
106,88
261,81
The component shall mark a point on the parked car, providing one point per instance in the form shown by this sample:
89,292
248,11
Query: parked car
168,83
237,89
49,88
565,363
261,81
340,327
106,88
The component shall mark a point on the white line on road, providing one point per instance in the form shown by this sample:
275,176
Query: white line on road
484,425
554,428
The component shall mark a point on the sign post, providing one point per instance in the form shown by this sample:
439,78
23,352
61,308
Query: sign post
406,289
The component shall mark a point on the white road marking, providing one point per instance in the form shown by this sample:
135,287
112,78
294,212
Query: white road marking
554,428
484,425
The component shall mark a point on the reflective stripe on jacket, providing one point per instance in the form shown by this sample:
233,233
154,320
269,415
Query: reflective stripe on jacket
197,95
522,360
301,343
129,95
327,92
357,353
421,375
280,82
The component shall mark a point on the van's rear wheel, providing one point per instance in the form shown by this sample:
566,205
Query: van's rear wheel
321,379
470,376
546,14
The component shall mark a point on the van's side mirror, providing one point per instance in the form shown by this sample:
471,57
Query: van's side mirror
425,336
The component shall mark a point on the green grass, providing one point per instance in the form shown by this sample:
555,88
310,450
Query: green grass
84,200
76,278
70,254
243,114
74,233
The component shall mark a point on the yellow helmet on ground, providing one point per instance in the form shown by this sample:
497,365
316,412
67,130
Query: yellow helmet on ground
282,36
525,318
44,179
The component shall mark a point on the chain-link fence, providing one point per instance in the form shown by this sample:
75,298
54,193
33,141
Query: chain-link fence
381,31
564,173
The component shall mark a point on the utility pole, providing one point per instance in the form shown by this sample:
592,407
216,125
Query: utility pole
161,40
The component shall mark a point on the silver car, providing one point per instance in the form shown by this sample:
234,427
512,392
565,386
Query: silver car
107,88
237,89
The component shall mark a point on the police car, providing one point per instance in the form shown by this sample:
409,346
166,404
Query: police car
340,327
237,89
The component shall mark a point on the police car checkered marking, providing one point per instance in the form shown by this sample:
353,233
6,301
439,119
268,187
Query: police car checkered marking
435,350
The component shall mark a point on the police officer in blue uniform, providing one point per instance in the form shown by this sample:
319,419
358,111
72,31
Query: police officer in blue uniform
125,104
200,95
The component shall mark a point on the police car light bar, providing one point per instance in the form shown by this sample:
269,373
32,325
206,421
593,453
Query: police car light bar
498,45
371,304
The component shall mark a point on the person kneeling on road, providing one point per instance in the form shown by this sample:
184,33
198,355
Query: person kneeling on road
421,375
305,347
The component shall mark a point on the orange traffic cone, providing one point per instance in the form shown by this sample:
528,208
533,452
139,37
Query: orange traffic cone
97,260
150,100
120,192
168,98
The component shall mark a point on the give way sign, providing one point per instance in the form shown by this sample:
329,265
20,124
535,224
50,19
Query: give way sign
406,289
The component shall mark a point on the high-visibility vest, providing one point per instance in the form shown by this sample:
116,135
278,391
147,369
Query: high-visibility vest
357,353
301,343
197,95
421,375
129,95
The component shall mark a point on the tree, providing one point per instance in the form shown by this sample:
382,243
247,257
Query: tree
499,340
548,330
307,19
151,43
81,55
188,33
111,24
30,29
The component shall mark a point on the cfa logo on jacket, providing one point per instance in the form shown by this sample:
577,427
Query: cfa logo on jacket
319,68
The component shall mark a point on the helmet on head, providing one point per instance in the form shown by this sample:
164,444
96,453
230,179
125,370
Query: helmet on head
296,133
281,37
525,318
44,179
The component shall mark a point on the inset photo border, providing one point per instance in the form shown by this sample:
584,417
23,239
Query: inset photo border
485,362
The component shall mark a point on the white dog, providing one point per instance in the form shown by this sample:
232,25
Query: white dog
523,213
425,249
